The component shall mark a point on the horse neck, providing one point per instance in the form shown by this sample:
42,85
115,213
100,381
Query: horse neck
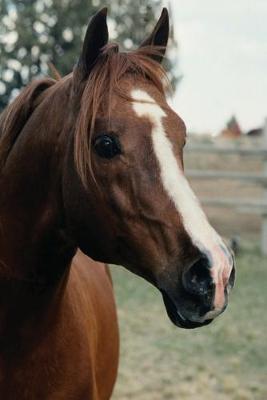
35,250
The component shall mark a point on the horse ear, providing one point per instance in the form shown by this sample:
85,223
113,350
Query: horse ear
159,36
95,38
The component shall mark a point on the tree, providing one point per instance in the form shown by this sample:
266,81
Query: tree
36,32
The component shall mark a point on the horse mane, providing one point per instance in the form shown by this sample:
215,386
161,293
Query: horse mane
103,81
15,116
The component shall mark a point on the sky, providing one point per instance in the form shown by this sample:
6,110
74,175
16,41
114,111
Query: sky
223,59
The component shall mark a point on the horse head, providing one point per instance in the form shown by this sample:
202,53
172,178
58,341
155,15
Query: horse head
126,198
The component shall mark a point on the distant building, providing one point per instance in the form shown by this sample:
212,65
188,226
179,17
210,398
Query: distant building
255,132
232,129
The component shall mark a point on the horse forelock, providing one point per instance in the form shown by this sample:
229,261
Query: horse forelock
103,81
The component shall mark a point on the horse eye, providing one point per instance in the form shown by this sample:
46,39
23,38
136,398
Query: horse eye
107,146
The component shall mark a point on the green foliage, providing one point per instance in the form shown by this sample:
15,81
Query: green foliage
34,32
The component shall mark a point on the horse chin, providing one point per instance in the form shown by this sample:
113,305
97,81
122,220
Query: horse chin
177,318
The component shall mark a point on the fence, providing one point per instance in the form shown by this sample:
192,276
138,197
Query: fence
243,205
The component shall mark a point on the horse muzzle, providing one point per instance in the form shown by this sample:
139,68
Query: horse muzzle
176,316
199,299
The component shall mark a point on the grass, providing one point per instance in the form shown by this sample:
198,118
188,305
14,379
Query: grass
226,360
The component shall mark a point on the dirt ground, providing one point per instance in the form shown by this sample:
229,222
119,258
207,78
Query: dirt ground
226,360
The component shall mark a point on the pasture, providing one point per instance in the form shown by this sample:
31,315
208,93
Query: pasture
226,360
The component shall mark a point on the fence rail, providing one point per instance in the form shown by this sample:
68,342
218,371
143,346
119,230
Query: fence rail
228,150
213,174
242,205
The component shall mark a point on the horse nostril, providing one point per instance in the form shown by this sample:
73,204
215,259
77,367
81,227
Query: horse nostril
231,280
197,279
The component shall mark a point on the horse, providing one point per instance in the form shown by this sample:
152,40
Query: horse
92,174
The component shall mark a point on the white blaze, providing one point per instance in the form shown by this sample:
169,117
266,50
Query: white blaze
175,184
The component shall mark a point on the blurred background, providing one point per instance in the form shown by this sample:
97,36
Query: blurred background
217,63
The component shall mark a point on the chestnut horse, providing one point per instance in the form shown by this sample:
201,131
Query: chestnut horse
91,166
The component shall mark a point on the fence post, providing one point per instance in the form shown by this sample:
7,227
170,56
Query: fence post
264,216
